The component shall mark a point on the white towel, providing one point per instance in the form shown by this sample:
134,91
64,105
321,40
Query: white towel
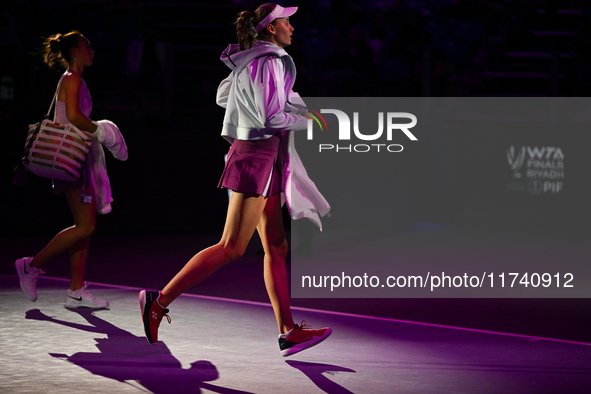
110,137
107,134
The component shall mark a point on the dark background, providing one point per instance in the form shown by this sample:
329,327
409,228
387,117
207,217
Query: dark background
156,70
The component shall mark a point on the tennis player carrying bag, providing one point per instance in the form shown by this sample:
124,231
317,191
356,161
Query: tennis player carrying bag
53,150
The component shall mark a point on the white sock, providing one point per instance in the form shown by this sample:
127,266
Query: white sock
76,292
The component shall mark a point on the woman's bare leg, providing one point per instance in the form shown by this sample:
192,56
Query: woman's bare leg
244,212
272,234
78,255
75,239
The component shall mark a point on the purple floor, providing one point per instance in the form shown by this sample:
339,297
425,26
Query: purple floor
223,336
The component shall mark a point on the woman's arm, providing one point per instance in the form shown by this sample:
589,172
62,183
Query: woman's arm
272,99
71,85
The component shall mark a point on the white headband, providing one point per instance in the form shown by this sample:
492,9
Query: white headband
278,12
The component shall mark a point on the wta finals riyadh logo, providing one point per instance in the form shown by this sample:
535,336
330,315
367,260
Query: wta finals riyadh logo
344,132
543,169
516,161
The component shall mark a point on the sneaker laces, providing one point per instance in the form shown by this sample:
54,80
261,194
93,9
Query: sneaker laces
33,272
84,292
164,312
86,295
302,325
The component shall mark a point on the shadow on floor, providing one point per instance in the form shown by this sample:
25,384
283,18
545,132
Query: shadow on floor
129,359
315,372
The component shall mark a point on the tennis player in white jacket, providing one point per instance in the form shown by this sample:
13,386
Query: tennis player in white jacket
259,170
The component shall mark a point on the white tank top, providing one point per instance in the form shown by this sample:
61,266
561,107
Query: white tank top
84,102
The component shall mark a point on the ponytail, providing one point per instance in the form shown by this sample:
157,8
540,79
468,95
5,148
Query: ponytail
57,49
246,23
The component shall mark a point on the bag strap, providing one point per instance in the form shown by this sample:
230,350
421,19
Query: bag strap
59,84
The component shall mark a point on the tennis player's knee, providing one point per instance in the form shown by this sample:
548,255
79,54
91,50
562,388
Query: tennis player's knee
233,252
86,229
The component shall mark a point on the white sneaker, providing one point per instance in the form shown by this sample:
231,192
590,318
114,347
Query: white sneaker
83,299
28,277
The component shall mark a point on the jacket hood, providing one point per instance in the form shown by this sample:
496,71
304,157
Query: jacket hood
236,60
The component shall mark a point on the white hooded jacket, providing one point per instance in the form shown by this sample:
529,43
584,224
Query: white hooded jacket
260,103
256,93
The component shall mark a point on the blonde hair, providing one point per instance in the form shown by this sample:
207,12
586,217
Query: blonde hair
57,49
246,23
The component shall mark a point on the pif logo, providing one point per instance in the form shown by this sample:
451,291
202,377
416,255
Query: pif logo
344,132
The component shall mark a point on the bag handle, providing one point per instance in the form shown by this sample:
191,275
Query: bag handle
55,99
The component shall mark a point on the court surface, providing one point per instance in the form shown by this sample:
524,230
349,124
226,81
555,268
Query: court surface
217,345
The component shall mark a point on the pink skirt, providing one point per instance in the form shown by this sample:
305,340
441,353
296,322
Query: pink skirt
253,167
